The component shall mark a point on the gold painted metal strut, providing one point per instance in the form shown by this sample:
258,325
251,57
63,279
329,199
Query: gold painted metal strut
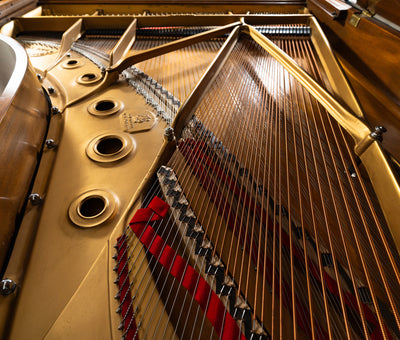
69,37
123,45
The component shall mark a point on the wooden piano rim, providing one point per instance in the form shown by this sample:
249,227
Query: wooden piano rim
17,61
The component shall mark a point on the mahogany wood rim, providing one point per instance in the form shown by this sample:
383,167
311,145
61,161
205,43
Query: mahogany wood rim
19,66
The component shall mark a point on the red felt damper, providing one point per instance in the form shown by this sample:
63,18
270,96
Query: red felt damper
189,278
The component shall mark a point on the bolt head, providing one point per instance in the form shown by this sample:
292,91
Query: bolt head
169,133
376,135
50,144
51,89
380,129
35,199
55,110
7,287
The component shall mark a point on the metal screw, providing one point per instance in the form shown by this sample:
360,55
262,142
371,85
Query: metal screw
55,110
68,55
50,144
377,134
8,286
35,199
51,89
169,134
39,76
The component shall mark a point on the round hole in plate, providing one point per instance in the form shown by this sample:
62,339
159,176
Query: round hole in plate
109,146
104,105
92,207
72,63
88,77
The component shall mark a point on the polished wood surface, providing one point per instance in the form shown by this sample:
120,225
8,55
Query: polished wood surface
23,127
388,9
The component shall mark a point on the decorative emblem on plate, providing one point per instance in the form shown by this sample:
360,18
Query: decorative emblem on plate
132,122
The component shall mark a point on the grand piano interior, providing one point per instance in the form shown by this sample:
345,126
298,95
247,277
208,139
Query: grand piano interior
200,169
